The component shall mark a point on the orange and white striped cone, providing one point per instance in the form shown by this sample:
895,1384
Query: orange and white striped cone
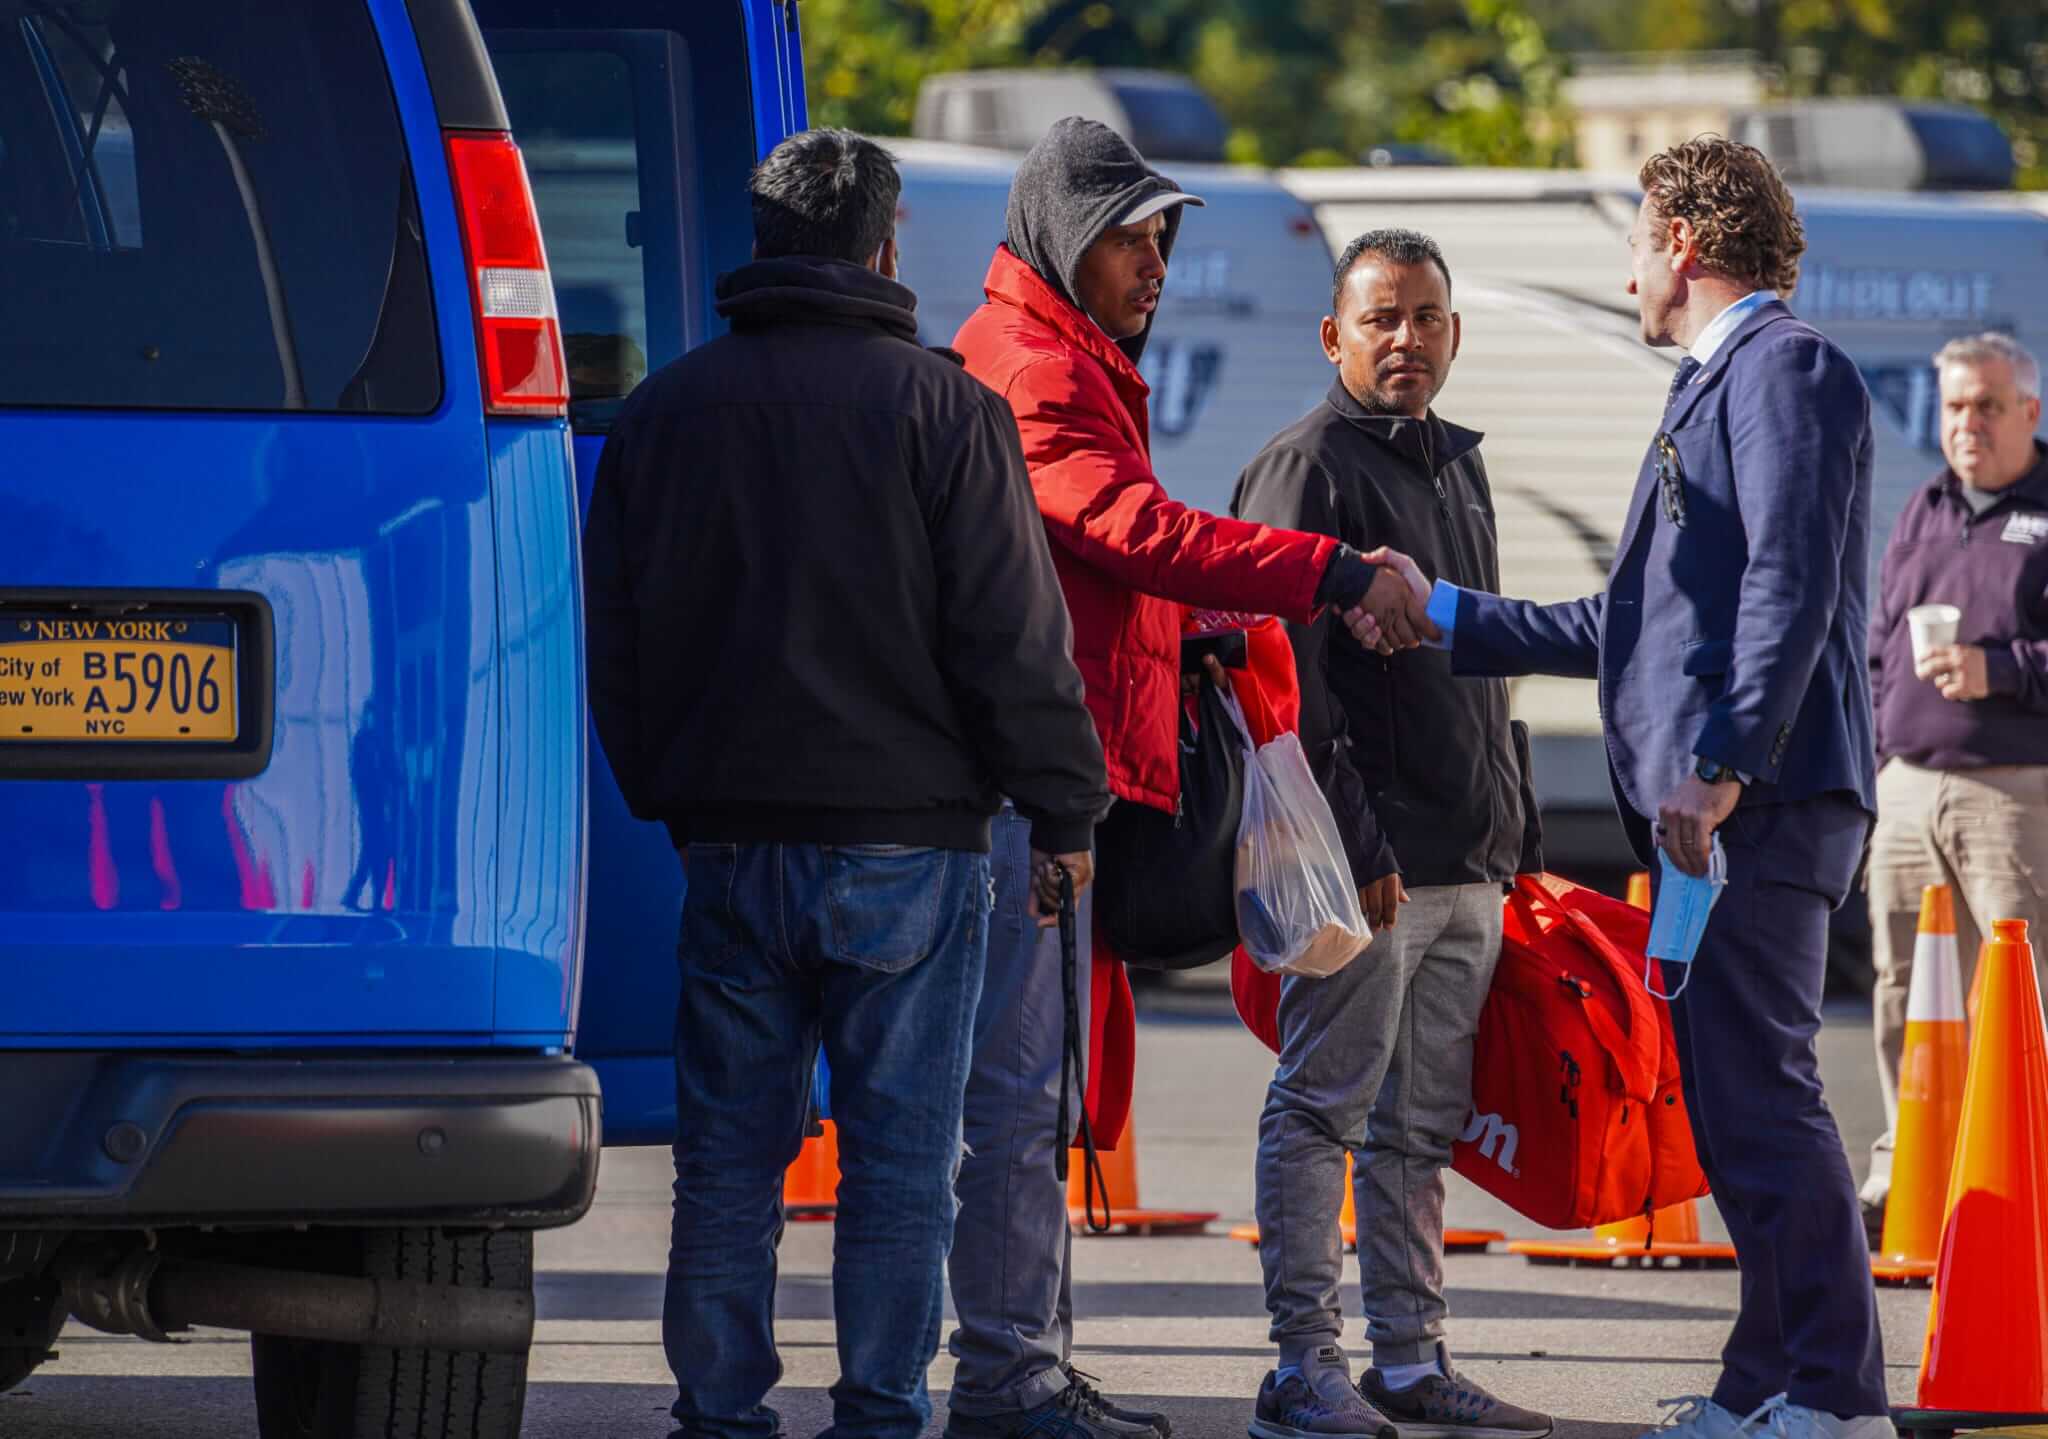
1670,1238
1456,1241
1932,1071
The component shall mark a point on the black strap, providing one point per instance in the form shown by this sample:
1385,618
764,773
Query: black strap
1073,1070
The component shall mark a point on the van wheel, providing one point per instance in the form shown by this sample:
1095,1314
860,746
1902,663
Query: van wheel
304,1389
31,1313
310,1390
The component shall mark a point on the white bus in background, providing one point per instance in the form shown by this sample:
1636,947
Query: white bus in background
1555,374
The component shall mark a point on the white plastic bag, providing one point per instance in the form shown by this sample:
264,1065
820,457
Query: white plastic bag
1297,912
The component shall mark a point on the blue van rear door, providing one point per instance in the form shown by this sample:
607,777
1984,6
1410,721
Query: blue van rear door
238,400
639,122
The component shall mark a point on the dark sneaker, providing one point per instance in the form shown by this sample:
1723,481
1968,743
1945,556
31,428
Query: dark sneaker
1073,1413
1447,1405
1142,1418
1319,1403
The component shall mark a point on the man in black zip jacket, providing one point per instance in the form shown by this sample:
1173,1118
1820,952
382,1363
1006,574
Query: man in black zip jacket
826,642
1379,1056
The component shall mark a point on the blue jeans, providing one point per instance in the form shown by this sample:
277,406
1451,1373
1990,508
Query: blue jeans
1012,1240
877,952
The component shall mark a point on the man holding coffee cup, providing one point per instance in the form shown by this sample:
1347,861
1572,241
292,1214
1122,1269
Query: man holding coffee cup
1962,727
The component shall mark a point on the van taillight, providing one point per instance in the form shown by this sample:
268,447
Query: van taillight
524,370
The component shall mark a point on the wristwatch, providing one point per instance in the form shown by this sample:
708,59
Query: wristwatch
1714,772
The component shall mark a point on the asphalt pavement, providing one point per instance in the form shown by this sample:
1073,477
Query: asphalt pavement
1177,1323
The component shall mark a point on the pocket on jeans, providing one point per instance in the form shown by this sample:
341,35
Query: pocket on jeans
883,903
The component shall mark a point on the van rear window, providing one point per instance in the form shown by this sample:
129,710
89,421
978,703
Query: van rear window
207,205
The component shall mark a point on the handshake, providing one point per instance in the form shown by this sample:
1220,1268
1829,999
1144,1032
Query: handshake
1392,614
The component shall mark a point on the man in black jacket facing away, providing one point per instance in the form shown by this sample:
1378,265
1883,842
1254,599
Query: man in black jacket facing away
826,641
1378,1058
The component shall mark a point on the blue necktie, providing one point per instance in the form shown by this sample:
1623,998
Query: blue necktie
1687,368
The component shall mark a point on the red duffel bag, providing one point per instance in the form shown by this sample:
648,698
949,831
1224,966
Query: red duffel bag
1576,1118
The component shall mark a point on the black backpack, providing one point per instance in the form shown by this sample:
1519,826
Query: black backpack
1166,884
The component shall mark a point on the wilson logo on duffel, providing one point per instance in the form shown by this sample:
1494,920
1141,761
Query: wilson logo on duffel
1495,1137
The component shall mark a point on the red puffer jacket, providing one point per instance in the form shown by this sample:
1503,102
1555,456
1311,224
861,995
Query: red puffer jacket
1129,557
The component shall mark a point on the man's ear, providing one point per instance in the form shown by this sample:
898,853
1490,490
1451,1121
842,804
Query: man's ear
886,258
1457,332
1330,335
1683,245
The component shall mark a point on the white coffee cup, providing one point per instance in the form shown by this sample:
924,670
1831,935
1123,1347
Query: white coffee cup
1933,627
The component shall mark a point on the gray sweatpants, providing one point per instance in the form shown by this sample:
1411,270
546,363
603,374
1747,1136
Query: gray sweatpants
1011,1243
1376,1059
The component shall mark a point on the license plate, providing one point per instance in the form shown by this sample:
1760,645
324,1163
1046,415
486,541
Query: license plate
70,678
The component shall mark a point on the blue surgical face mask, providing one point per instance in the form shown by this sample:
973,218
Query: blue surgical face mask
1683,903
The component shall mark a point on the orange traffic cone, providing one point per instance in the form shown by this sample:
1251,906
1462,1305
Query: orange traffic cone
1986,1358
1931,1075
810,1187
1456,1241
1976,993
1120,1178
1670,1238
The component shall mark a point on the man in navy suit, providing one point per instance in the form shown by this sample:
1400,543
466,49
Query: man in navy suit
1729,650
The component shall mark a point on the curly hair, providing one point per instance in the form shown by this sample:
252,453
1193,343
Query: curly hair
1736,201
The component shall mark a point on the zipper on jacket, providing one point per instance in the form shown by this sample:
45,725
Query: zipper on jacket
1496,802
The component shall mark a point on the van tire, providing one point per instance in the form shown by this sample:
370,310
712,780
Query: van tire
31,1313
311,1390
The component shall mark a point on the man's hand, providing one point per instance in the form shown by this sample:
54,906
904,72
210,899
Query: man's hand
1380,899
1687,820
1213,668
1957,671
1366,630
1392,604
1406,568
1045,882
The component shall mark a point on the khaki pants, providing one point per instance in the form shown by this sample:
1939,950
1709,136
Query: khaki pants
1983,833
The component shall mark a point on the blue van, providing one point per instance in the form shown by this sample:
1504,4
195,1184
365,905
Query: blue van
303,818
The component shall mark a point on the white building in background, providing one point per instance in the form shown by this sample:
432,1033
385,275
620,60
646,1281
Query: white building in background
1630,106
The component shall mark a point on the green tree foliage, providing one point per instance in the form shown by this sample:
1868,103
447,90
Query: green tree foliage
1298,79
865,58
1323,81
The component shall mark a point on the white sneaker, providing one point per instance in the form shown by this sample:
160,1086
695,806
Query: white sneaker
1777,1418
1694,1416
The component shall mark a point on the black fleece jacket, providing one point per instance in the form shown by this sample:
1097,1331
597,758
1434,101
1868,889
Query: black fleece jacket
821,604
1407,753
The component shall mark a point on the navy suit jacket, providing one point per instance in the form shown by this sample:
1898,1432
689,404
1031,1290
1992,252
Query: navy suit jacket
1734,631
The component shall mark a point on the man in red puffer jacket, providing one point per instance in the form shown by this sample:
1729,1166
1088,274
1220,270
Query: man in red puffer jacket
1071,298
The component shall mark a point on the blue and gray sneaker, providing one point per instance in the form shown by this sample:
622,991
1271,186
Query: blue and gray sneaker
1317,1402
1447,1405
